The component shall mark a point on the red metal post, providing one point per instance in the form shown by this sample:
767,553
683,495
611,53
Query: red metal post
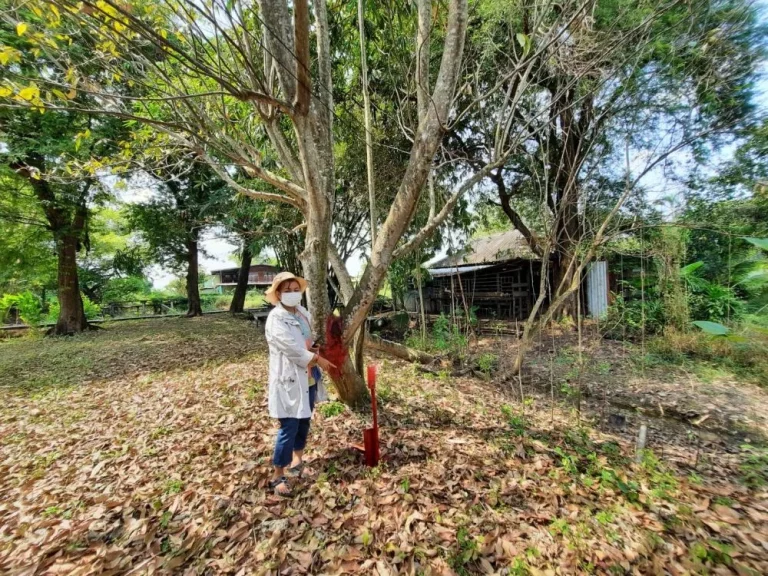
371,435
372,387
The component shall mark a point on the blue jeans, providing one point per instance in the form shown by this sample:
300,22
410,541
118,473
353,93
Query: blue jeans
292,435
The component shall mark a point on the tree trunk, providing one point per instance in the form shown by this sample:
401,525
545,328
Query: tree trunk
71,313
562,279
67,233
568,156
569,235
350,385
238,299
194,307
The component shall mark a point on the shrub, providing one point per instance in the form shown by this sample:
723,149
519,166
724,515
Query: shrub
211,302
632,318
445,337
487,363
715,303
126,289
254,299
28,304
743,353
91,309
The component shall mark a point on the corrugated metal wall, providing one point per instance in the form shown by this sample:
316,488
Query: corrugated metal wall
597,289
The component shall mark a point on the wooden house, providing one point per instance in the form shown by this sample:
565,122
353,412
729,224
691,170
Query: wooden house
498,276
259,276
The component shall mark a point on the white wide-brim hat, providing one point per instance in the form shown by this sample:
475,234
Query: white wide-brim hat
271,293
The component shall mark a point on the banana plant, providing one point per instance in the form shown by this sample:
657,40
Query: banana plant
756,278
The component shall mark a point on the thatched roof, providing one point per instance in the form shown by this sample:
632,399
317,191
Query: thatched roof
499,247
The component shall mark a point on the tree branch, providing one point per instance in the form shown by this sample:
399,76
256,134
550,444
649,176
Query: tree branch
301,35
446,210
428,137
258,195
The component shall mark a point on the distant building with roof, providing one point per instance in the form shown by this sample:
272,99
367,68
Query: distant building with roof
497,275
259,276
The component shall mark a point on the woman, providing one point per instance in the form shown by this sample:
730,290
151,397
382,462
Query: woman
294,377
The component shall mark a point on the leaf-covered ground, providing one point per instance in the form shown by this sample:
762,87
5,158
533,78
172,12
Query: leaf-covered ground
144,448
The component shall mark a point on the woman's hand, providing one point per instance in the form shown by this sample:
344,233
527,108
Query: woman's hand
324,364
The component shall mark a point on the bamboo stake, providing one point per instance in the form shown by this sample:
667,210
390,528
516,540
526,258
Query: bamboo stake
421,306
367,120
641,441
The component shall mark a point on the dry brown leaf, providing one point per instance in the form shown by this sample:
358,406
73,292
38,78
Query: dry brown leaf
727,514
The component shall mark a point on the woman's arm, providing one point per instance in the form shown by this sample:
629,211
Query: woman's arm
283,338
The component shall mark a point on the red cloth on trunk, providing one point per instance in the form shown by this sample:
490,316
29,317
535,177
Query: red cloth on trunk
334,350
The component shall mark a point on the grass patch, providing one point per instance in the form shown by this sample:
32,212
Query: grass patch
516,421
464,554
754,466
120,350
331,409
713,357
487,363
173,486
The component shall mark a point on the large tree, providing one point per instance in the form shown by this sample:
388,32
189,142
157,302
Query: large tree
27,256
220,71
594,83
253,225
39,148
58,155
189,198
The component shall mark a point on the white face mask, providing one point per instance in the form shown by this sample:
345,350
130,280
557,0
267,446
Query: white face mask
290,299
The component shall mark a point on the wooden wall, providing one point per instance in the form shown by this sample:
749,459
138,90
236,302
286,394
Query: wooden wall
506,291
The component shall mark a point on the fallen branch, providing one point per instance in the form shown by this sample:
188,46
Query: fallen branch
398,350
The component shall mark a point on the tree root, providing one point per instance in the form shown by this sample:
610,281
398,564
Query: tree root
399,350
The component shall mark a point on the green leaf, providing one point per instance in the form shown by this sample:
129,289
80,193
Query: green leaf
524,41
759,242
691,268
712,328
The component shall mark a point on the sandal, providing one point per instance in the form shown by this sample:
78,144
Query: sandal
274,485
296,471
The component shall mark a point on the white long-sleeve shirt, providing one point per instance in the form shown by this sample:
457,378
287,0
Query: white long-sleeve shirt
288,362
